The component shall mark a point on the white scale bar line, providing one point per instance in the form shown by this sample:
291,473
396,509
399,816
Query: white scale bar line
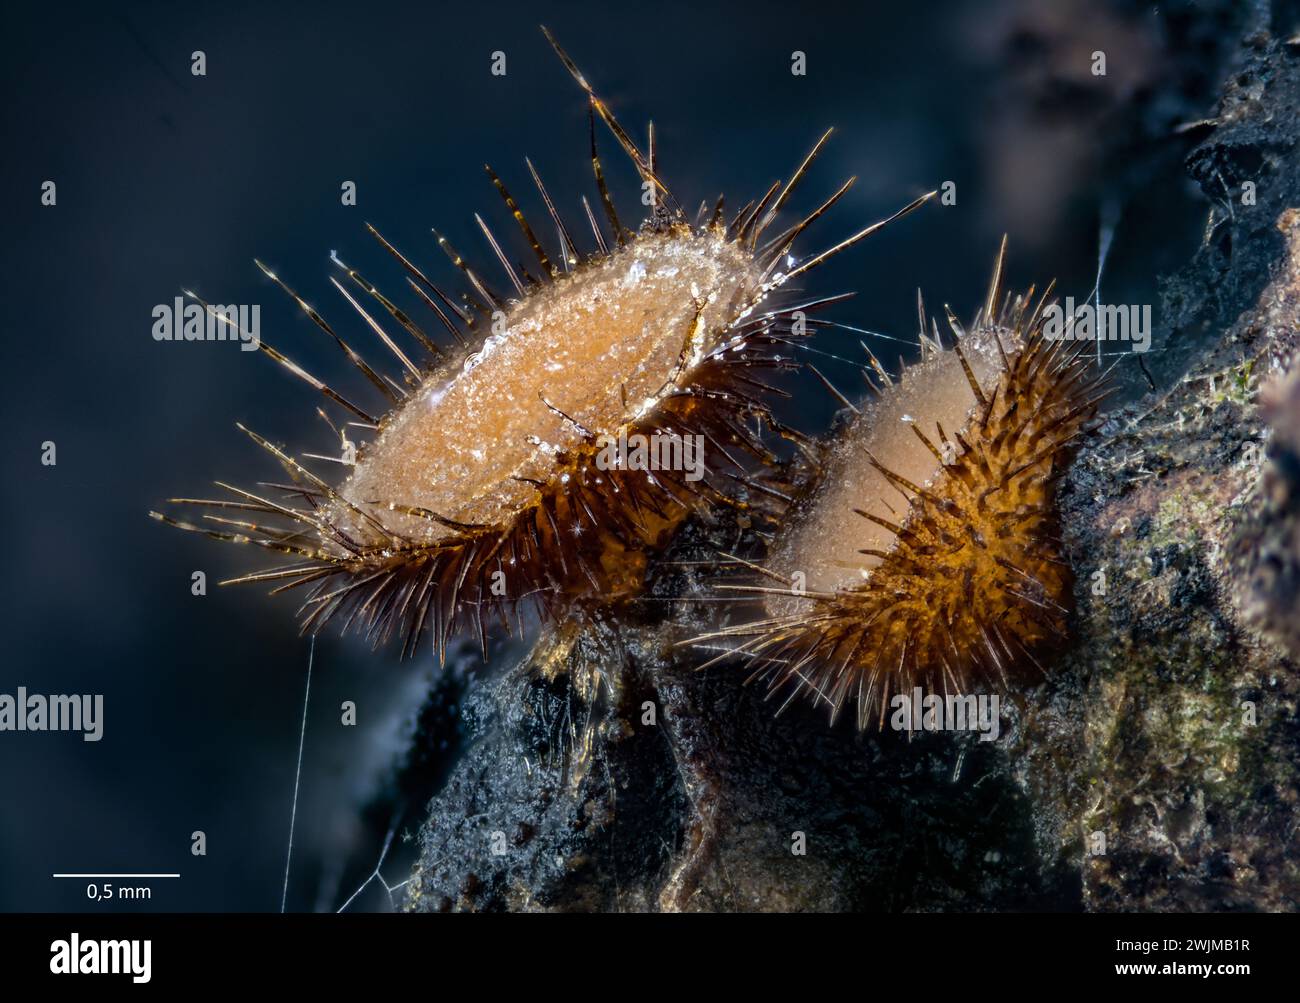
117,875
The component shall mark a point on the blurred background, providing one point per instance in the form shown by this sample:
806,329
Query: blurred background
167,180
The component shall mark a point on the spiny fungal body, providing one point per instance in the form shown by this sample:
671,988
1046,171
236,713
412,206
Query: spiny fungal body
928,553
480,488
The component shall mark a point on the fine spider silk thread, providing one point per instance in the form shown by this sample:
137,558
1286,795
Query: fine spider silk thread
480,486
931,559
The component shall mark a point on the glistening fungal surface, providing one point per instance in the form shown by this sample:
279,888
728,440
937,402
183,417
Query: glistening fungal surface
603,345
498,474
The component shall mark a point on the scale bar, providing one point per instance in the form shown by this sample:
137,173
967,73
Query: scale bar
116,875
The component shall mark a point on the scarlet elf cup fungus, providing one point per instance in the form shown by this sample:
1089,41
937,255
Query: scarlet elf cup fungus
480,486
928,552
